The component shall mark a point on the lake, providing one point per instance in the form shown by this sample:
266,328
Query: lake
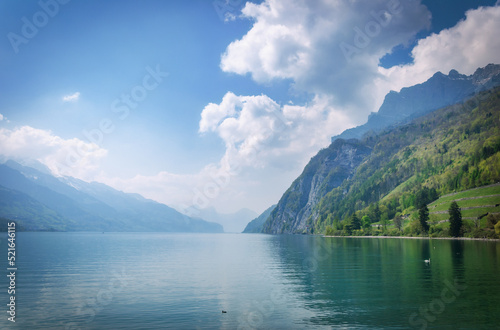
185,281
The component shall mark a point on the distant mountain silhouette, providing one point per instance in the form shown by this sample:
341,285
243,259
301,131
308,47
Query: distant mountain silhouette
40,201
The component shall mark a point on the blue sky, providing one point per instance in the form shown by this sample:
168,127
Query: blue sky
276,64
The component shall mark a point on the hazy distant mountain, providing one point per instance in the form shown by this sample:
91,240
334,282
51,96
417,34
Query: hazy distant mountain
255,226
232,222
41,201
15,205
439,91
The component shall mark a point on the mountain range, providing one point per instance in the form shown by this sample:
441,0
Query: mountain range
415,140
362,167
39,201
411,102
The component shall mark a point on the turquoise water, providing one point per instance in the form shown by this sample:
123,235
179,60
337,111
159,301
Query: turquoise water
184,281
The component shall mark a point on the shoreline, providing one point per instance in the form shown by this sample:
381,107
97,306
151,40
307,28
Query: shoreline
408,237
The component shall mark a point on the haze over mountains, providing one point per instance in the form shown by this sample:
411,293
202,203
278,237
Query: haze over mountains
231,222
39,201
255,226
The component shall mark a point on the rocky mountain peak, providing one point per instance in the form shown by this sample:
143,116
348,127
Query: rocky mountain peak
438,91
483,75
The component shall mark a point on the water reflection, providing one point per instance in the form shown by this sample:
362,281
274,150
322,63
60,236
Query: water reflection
366,282
287,282
457,258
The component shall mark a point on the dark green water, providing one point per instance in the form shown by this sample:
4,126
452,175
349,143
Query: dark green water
184,281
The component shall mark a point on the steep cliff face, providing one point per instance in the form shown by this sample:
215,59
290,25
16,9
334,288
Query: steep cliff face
439,91
327,170
305,203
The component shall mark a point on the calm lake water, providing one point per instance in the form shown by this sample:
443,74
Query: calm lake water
184,281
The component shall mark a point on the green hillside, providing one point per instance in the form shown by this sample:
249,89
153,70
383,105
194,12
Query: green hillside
477,205
450,150
487,195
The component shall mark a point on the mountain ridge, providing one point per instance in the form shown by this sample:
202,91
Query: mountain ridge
56,204
437,92
333,201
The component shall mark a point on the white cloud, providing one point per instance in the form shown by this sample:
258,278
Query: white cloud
304,40
307,41
301,40
267,146
71,157
72,97
330,49
470,44
259,133
1,117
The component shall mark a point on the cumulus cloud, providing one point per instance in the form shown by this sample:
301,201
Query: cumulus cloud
267,146
324,47
1,117
71,157
330,49
72,97
471,43
258,132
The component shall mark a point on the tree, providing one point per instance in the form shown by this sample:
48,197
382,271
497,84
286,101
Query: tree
492,220
433,195
348,228
329,220
355,222
425,196
366,222
377,213
423,217
336,223
384,223
455,219
398,222
422,197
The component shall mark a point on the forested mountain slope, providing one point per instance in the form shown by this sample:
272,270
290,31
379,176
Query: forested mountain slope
382,175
